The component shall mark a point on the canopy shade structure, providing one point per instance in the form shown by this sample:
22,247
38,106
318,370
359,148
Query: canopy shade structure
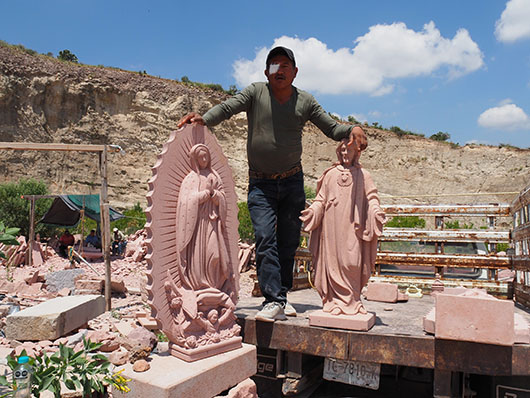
65,210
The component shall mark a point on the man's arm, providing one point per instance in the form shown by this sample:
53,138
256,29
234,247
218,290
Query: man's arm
225,110
326,123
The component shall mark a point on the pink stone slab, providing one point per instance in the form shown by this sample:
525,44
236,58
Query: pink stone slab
170,377
477,319
190,355
383,292
402,297
522,330
429,321
362,322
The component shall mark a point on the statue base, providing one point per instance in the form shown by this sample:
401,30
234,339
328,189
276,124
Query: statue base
201,352
362,322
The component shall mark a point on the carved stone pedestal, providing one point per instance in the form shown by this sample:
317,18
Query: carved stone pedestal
361,322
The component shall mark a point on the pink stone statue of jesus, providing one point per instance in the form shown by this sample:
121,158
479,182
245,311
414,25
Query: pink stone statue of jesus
345,221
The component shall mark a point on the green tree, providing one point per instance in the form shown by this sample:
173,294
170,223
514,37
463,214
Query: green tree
185,79
66,55
14,210
246,230
440,136
133,221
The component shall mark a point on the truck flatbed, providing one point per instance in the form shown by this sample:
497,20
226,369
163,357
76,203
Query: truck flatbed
397,338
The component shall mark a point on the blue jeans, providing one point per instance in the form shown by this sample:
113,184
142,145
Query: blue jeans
275,207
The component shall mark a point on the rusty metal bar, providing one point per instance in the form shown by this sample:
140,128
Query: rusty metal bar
522,294
449,210
521,263
521,233
522,200
453,260
447,235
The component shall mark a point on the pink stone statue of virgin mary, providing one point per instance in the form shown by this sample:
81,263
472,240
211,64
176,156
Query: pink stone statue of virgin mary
345,221
201,212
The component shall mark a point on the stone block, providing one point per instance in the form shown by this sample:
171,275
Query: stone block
384,292
361,322
479,319
90,285
170,377
149,323
53,318
429,321
124,327
56,281
246,389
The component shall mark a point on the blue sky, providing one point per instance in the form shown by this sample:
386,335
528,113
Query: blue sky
461,67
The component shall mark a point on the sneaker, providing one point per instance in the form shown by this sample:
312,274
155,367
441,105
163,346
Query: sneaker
289,310
271,312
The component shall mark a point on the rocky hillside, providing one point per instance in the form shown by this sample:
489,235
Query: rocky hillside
45,100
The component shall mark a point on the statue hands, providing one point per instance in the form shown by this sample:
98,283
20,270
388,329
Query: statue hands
308,218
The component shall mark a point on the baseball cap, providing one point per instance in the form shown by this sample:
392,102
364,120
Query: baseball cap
281,51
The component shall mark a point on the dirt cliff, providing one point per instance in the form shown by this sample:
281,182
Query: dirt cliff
45,100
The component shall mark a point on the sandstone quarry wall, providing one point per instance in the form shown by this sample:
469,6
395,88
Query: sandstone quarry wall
45,100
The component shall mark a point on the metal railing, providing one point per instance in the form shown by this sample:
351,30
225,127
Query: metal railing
520,211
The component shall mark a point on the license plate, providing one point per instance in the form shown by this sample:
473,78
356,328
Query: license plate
362,374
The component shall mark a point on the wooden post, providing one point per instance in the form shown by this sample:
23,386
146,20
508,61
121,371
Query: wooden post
105,224
31,230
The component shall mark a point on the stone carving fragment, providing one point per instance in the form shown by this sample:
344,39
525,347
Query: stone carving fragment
192,241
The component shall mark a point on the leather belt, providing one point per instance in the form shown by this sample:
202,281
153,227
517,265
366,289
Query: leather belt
275,176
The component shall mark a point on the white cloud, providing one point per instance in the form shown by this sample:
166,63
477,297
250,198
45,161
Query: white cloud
385,53
514,22
505,117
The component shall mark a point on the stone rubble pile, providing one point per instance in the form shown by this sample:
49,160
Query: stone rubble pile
127,333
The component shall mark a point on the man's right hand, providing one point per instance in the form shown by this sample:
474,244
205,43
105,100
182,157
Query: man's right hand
192,117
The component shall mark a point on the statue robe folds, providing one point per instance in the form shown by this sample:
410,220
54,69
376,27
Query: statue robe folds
200,241
346,223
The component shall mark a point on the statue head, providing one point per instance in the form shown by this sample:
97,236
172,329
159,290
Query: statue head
200,157
213,316
349,149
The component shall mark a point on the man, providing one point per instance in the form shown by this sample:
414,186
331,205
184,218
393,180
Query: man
118,242
92,240
66,240
276,112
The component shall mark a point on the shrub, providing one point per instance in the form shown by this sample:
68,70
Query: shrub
310,193
456,225
133,221
66,55
246,230
8,237
440,136
352,119
83,370
406,222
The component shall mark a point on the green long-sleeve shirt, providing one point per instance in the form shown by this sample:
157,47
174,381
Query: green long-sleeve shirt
274,142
